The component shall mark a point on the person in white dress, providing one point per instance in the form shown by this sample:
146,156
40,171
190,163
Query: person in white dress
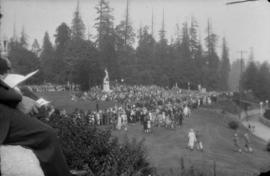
186,111
119,122
163,118
209,101
98,118
191,139
124,119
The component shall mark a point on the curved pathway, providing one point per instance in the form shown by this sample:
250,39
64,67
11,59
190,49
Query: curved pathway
260,130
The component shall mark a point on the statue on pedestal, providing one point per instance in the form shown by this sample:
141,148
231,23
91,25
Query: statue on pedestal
199,88
106,82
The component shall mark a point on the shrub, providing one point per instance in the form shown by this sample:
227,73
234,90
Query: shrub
267,114
268,146
233,125
103,154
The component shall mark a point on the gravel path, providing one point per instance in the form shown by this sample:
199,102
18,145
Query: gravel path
260,130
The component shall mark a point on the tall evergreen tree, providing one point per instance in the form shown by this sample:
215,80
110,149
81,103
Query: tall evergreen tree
162,32
163,60
185,44
47,45
82,64
36,48
106,38
125,35
23,61
211,39
104,23
186,61
197,63
249,78
256,78
212,58
178,37
47,59
146,62
62,37
152,24
251,55
125,38
262,90
62,40
234,75
177,55
77,27
224,66
194,42
23,39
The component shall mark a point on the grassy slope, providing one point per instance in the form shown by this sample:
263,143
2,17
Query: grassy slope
166,147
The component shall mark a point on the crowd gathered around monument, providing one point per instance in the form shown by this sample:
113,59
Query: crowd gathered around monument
149,105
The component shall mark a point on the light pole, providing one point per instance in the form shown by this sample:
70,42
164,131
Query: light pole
261,108
241,68
1,47
240,77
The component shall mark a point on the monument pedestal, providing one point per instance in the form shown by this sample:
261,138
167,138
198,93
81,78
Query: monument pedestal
106,87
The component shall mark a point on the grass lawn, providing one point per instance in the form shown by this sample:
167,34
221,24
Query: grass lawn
63,100
166,147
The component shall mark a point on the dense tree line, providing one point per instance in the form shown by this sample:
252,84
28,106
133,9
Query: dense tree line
256,78
73,58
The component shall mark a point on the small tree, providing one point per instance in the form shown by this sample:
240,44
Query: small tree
234,125
267,114
268,146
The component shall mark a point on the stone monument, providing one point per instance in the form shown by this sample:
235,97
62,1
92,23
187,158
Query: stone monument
106,82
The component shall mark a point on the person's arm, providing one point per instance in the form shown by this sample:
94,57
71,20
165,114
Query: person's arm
12,98
9,96
28,93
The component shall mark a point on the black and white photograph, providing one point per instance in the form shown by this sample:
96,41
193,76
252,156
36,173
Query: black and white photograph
134,87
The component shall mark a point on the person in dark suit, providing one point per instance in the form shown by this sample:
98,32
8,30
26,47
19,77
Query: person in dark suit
17,128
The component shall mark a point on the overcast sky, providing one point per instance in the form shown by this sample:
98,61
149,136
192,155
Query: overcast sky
244,25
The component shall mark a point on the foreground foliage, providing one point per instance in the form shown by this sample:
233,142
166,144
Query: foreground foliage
90,147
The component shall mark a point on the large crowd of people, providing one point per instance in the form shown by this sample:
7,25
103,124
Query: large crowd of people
149,105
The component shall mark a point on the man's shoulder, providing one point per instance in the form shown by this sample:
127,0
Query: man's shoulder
5,108
3,84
